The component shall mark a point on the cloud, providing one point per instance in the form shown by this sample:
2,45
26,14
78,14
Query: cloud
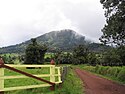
87,16
21,20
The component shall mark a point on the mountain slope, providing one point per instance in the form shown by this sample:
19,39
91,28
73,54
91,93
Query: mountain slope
63,39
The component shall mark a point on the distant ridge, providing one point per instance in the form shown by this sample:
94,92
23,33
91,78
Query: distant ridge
65,40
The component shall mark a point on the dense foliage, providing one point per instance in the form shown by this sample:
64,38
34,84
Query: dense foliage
92,59
113,57
62,57
11,58
114,30
80,54
35,53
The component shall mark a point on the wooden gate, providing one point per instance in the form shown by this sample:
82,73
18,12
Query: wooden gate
50,83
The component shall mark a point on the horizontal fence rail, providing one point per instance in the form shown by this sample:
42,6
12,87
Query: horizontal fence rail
54,72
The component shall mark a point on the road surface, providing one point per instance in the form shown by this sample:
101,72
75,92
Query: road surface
97,85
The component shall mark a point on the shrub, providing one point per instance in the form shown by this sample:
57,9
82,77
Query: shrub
89,68
99,70
121,75
96,68
117,72
104,70
113,71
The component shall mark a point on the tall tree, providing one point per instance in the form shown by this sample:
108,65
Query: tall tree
34,53
42,51
114,29
121,53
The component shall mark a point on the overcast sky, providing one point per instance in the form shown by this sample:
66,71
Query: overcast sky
21,20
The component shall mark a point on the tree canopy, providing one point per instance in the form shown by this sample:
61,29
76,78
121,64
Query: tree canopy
114,29
35,53
80,54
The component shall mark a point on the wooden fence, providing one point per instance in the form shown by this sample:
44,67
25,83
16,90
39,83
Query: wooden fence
64,72
52,75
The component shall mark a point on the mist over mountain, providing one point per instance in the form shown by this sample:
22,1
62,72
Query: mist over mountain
64,40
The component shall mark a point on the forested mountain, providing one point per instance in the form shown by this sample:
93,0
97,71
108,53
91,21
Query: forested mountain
65,40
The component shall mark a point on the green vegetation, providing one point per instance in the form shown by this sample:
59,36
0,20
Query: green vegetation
64,40
114,30
63,57
114,73
34,53
25,81
71,85
32,91
48,55
11,58
80,54
68,47
113,57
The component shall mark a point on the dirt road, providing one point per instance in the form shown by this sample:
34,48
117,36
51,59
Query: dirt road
98,85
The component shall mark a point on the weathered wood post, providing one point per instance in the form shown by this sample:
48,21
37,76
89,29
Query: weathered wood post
64,73
59,77
52,76
1,75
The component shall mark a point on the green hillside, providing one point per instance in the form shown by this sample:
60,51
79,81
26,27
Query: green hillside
65,40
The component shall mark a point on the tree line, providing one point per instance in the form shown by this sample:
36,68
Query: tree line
81,55
35,54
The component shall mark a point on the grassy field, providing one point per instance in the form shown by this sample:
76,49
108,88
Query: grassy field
49,55
71,85
28,81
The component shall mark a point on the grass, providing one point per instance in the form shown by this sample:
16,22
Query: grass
71,85
25,81
105,72
45,90
49,55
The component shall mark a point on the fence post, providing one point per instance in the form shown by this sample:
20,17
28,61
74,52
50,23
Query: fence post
52,75
59,77
1,81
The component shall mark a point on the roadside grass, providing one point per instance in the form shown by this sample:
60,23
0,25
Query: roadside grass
71,85
116,74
